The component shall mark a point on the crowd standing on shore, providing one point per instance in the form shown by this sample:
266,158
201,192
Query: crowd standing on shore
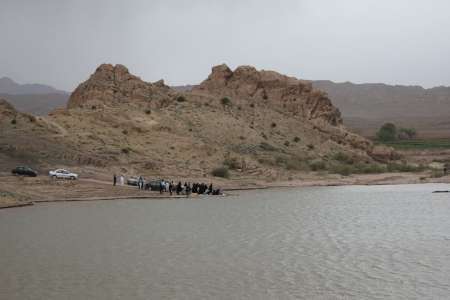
170,187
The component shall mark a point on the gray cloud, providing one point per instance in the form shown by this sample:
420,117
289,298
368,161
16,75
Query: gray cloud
60,42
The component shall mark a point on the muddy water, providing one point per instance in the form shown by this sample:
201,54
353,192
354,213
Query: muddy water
384,242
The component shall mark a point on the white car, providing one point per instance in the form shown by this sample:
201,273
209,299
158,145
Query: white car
63,174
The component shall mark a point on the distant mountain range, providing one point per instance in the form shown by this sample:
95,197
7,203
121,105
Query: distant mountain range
9,86
37,99
365,107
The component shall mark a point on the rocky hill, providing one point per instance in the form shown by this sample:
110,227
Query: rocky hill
259,124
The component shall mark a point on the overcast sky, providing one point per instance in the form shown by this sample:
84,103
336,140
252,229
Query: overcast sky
61,42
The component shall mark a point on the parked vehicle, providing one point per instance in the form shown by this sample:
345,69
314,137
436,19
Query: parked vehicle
24,171
133,180
153,185
63,174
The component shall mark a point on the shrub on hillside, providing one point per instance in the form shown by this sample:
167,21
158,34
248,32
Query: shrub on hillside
343,158
232,163
437,174
317,165
225,101
181,99
221,172
344,170
362,168
126,150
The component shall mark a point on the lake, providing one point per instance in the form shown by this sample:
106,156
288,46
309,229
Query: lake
354,242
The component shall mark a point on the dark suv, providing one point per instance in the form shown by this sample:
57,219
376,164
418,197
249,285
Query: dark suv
26,171
154,185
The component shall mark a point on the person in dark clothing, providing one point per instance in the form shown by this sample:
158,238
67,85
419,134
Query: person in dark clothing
210,189
114,180
170,187
140,183
179,188
188,189
161,186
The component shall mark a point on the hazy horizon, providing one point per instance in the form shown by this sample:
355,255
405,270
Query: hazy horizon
60,43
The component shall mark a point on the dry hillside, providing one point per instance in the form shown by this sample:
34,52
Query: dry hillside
260,124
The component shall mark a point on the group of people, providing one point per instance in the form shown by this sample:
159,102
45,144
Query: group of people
196,188
168,186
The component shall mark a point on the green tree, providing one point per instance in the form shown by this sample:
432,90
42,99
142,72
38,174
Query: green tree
387,132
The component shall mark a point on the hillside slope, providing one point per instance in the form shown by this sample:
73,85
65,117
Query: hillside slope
259,123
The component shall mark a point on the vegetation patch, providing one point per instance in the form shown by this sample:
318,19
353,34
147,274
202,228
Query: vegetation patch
222,172
437,174
389,133
293,163
181,99
343,158
232,163
372,168
317,165
396,167
225,101
126,150
419,144
267,147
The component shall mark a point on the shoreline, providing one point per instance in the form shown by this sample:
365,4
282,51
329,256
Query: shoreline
41,192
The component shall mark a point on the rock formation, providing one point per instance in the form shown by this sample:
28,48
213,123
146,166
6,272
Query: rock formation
269,87
114,85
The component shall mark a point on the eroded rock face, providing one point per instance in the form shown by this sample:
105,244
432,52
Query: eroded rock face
292,95
111,85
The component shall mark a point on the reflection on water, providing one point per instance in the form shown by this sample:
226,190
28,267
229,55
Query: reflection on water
326,243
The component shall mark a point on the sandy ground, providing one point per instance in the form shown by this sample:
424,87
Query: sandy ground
18,191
